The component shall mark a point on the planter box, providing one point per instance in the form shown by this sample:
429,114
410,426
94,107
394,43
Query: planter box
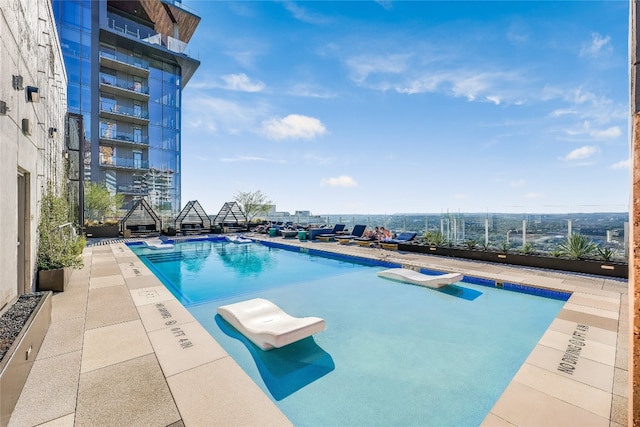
600,268
17,362
54,280
102,231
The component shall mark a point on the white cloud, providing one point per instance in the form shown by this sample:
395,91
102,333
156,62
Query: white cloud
241,82
341,181
310,92
518,183
387,4
612,132
533,195
598,46
294,126
215,115
581,153
304,15
363,66
244,159
623,164
494,99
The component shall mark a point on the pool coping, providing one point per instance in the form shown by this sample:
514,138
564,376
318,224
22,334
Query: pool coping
115,299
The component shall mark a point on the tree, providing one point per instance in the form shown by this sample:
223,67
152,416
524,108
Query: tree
99,202
253,203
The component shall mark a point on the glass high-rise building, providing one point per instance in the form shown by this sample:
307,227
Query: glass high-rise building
127,64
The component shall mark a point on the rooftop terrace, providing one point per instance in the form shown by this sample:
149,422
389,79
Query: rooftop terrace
113,354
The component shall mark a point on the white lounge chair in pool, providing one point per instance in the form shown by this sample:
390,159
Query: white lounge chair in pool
158,244
267,325
415,278
238,239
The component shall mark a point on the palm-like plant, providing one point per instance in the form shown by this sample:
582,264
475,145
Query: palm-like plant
606,254
577,246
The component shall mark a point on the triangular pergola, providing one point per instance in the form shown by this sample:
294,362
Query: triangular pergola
230,214
141,218
193,214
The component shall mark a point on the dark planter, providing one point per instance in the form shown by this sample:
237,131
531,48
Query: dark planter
54,280
102,231
601,268
18,360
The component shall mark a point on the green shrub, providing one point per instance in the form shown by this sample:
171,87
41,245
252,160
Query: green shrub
577,246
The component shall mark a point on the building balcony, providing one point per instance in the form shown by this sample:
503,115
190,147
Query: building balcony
123,163
120,87
123,139
119,112
127,63
132,190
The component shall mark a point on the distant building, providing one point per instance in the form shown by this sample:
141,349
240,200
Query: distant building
127,65
33,92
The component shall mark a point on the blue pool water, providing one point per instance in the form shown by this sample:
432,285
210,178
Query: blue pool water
392,354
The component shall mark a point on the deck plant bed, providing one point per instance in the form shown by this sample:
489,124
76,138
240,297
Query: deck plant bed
23,326
587,265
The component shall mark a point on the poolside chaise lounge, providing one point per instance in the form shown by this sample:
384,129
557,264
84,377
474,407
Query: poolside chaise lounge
404,237
358,231
415,278
267,325
328,234
157,244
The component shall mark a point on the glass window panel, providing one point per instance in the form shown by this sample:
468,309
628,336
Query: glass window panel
86,45
72,65
155,136
155,158
86,15
73,96
155,114
70,41
85,100
169,139
70,13
74,164
85,74
155,90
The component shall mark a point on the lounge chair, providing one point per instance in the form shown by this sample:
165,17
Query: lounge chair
392,244
289,233
409,276
267,325
337,229
358,231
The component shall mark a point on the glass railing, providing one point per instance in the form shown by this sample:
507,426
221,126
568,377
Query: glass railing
145,34
123,84
110,107
122,162
124,136
132,190
541,233
178,4
125,59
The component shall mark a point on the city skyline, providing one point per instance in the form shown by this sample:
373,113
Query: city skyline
386,107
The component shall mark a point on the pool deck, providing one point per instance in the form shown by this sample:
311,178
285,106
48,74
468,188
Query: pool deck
122,351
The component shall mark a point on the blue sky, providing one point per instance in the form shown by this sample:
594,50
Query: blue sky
409,107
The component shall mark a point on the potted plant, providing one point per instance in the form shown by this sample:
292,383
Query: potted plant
59,246
100,207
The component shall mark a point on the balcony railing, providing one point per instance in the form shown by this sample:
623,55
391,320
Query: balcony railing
125,59
132,190
109,107
124,137
120,162
123,84
144,34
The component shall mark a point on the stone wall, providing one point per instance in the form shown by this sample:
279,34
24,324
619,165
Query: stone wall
29,48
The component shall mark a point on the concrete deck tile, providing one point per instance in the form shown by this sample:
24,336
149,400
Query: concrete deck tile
614,286
142,282
621,382
113,344
150,295
588,319
220,393
66,421
63,337
104,270
598,292
183,347
134,269
602,336
99,259
163,314
595,302
592,350
610,314
132,393
110,305
565,389
104,281
52,381
69,305
493,420
619,409
586,371
524,406
612,299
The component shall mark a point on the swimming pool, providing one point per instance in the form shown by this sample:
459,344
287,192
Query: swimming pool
392,354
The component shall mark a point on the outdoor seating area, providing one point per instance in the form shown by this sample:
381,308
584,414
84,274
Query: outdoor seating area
141,220
192,219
